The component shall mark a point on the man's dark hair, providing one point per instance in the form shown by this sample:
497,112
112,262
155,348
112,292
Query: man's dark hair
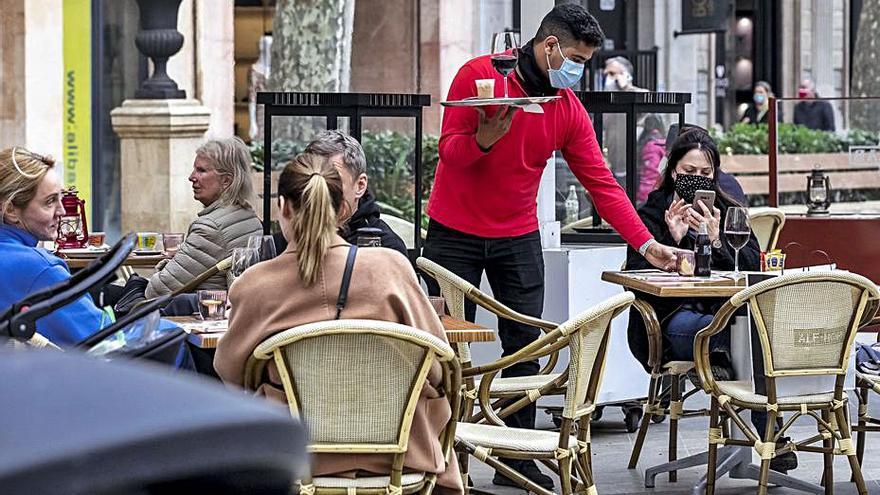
571,23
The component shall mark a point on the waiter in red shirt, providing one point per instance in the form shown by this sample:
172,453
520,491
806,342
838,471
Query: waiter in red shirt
483,205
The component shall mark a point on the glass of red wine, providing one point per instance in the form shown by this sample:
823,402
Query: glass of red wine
737,232
505,52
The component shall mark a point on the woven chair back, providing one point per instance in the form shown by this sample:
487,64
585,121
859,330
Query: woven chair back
766,225
588,336
452,287
807,322
355,383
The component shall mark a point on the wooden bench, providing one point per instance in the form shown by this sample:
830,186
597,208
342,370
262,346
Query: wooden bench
844,174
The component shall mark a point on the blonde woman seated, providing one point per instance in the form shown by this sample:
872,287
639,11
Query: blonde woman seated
301,286
221,181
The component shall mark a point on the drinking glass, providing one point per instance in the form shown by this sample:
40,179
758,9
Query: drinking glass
172,243
505,53
212,304
242,259
264,245
369,240
737,232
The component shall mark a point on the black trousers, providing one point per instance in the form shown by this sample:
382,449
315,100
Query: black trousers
514,267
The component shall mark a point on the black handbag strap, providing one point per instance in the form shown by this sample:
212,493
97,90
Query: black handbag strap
346,280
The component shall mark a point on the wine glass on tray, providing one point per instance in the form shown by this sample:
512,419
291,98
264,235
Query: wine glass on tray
505,53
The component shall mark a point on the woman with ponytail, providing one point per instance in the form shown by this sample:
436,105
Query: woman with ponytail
302,285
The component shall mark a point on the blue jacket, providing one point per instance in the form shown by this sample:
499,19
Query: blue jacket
26,268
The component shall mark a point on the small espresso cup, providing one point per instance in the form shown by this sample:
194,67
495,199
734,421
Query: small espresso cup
96,239
149,241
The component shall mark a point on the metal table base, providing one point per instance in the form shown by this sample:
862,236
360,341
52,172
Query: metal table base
735,461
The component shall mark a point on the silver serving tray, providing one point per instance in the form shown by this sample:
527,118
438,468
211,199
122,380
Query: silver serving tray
485,102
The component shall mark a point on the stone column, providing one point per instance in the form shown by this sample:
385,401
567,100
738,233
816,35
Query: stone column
158,140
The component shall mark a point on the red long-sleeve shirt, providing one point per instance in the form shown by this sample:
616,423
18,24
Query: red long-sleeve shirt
494,194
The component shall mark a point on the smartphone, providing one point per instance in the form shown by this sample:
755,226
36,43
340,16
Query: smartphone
706,197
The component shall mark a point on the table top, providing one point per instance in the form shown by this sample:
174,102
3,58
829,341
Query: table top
134,260
206,335
663,284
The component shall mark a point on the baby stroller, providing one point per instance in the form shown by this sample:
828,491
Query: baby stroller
137,335
78,425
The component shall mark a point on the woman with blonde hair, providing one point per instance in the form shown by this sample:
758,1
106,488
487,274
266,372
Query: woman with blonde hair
30,209
221,181
301,286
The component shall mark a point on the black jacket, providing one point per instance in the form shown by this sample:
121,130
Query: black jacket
367,215
816,115
752,115
652,214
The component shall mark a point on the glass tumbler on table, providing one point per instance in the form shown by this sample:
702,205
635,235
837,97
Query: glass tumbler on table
172,243
212,304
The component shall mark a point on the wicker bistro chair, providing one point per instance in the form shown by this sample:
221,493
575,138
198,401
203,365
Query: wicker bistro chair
586,336
806,324
662,401
767,223
865,384
365,406
455,290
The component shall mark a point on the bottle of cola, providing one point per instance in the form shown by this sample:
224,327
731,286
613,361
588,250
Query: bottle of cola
703,253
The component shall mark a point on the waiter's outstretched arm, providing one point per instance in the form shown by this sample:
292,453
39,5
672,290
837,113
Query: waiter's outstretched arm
581,151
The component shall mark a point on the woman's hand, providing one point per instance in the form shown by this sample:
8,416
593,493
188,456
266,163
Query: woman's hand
676,219
699,213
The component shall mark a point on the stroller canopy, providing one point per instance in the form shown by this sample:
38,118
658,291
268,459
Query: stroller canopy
80,426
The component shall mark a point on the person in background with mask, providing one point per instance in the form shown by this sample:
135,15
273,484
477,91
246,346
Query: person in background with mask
483,204
619,75
759,110
814,114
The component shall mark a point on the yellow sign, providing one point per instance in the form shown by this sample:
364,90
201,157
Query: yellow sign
77,128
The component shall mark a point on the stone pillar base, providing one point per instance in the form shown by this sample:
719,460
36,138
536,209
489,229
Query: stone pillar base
158,140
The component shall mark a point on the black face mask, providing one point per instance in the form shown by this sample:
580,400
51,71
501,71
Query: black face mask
687,185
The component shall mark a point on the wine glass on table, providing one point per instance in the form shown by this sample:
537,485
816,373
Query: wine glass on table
264,245
737,232
505,53
242,259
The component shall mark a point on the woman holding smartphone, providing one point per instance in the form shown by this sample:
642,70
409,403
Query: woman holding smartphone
673,216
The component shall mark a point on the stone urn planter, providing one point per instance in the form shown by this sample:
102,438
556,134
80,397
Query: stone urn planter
159,39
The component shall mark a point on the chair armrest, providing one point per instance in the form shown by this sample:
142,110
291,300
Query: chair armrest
545,345
701,347
655,335
498,309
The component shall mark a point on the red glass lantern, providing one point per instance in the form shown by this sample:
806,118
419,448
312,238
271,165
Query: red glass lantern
73,231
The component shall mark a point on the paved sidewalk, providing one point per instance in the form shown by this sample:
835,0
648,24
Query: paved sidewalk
612,446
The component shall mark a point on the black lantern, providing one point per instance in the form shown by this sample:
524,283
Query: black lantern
159,40
818,193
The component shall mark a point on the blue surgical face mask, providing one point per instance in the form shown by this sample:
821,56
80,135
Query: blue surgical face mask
567,75
759,99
